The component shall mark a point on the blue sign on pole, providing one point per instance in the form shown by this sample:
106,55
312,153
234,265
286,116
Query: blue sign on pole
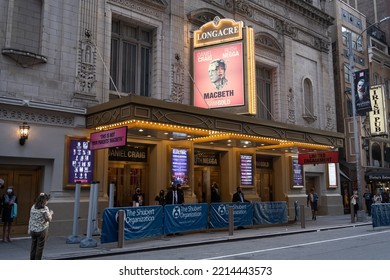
139,222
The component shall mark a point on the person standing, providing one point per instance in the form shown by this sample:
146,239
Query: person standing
354,203
9,201
377,197
160,198
368,200
138,198
38,225
312,199
239,196
215,195
175,195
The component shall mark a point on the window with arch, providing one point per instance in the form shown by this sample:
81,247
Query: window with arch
308,100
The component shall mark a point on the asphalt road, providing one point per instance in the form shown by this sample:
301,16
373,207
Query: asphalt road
357,243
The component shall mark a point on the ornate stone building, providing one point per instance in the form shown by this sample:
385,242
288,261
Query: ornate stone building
76,67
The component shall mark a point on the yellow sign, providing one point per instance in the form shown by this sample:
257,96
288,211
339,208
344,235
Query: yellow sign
218,31
378,117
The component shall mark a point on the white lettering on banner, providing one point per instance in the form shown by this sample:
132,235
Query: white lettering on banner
184,212
139,215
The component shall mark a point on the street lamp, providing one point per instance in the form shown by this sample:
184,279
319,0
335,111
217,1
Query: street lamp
351,79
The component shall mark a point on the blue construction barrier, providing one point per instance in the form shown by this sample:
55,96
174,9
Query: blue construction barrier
380,214
139,222
219,214
185,217
149,221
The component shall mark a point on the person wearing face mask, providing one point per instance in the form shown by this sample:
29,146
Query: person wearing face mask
138,198
9,199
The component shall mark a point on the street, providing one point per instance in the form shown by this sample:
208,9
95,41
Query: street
357,243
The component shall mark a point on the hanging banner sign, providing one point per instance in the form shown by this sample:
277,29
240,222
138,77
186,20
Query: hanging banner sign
318,158
378,115
109,138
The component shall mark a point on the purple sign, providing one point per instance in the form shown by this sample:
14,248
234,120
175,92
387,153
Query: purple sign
81,160
246,170
180,166
297,173
109,138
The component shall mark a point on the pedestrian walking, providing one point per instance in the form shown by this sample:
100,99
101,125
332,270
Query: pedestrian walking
312,199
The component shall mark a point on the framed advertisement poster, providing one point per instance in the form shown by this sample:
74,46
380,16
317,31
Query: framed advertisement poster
79,161
332,176
179,166
296,173
246,170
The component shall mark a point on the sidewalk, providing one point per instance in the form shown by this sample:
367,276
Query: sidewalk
57,249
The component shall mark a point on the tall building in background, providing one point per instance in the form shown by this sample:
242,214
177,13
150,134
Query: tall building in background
371,54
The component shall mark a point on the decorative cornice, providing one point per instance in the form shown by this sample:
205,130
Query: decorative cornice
156,4
202,16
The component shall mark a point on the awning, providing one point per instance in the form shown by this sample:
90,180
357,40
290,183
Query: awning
377,176
345,175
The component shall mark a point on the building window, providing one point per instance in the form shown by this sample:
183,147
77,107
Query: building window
24,33
346,73
308,101
264,92
376,80
387,90
357,41
131,48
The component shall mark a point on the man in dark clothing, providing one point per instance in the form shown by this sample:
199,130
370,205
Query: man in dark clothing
175,195
239,196
368,199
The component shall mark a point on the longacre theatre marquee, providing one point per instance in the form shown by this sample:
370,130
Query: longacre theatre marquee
224,67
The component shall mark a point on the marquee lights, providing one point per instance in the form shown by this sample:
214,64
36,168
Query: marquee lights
211,136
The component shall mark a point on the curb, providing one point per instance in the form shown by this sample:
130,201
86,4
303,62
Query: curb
101,252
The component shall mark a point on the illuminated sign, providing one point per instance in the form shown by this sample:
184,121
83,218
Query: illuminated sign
218,72
246,170
218,31
179,164
297,173
80,162
318,158
378,118
224,67
109,138
332,178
